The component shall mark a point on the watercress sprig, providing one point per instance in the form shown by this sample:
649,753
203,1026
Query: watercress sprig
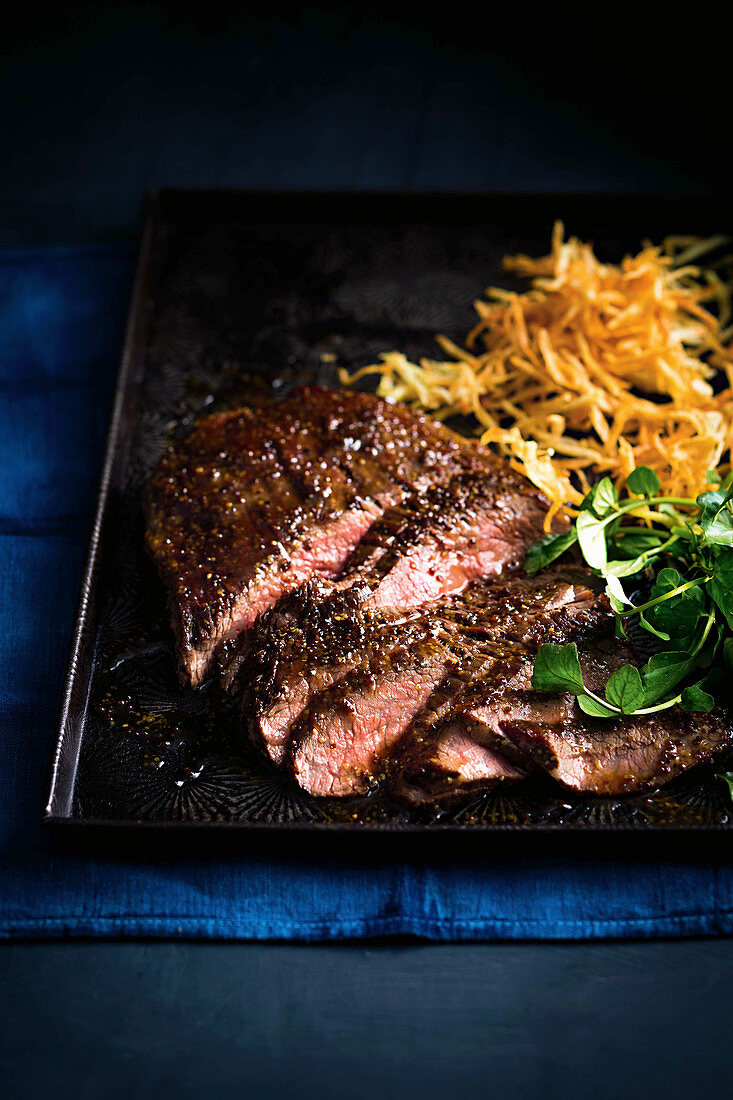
683,548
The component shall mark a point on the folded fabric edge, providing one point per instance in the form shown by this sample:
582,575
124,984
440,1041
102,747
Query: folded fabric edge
456,930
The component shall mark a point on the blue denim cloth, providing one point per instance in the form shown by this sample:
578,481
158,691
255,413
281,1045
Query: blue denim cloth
61,323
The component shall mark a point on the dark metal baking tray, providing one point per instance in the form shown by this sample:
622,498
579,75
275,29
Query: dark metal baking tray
238,292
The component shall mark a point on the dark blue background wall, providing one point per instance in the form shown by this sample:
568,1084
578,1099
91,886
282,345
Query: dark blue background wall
102,102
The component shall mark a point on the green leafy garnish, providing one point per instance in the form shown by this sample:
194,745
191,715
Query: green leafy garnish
625,689
558,665
643,481
682,549
544,551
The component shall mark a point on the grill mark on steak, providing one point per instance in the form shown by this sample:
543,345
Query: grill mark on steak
254,502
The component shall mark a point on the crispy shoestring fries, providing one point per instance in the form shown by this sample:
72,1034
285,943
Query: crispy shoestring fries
595,369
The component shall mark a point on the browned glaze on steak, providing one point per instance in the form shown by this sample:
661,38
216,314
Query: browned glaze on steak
597,756
508,620
300,648
254,502
305,643
532,729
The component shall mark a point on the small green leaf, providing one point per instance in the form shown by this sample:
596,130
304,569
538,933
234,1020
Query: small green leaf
592,540
721,586
643,481
632,545
603,497
666,581
625,689
716,517
680,615
662,673
712,477
695,698
625,568
546,550
595,709
557,668
647,625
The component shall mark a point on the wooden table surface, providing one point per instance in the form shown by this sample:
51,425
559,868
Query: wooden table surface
106,103
138,1020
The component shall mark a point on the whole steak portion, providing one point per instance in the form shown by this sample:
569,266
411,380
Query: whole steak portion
254,502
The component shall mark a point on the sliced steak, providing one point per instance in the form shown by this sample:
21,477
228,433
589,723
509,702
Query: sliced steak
446,765
300,649
255,501
433,544
308,642
531,728
434,762
358,702
341,742
596,756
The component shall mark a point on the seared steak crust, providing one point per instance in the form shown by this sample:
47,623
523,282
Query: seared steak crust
255,501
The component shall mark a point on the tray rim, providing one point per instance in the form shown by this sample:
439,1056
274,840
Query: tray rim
61,779
60,786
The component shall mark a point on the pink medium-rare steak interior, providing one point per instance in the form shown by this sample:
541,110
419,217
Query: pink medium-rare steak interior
341,744
435,543
445,765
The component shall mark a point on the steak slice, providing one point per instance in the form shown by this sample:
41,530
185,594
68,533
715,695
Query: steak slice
596,756
255,501
341,742
433,544
447,765
300,649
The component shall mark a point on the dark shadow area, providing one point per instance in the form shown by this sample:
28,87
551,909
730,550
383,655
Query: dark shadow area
106,101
